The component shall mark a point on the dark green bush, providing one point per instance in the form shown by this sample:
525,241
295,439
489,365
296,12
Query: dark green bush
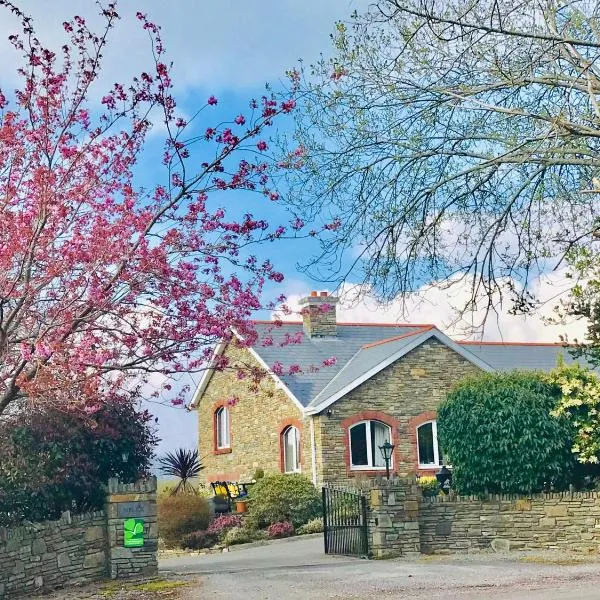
181,515
53,460
499,435
277,498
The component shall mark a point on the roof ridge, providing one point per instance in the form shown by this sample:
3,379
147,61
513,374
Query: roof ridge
345,323
398,337
491,343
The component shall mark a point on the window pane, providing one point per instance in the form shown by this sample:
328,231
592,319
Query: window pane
358,445
380,433
222,428
290,450
425,435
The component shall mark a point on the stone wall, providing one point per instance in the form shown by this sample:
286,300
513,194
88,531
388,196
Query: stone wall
125,501
404,394
547,521
76,549
52,554
402,522
256,423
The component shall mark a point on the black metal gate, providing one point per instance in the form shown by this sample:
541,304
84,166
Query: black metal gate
345,522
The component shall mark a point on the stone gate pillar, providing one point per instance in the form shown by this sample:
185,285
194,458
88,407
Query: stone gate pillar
393,518
132,528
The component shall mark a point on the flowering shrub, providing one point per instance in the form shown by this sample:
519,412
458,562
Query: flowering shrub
224,523
181,515
198,540
242,535
280,530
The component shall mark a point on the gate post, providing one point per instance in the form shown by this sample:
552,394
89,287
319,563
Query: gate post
393,518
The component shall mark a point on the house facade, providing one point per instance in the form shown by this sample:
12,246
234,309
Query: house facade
335,392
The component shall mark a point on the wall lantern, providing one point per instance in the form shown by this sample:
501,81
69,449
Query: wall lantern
386,451
444,477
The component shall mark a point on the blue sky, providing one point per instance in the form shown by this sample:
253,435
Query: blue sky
232,49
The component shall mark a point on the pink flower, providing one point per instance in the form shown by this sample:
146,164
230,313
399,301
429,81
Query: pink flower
262,145
212,101
240,120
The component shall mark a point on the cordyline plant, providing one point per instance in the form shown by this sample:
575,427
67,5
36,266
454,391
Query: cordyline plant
103,282
183,464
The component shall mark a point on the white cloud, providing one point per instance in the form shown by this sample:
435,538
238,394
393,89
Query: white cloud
438,305
215,44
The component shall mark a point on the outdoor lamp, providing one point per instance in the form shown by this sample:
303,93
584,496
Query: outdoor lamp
386,451
444,477
125,455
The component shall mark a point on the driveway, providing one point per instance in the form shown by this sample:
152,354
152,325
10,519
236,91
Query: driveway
298,569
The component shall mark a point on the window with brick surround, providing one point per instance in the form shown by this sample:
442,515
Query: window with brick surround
428,450
222,427
365,439
290,444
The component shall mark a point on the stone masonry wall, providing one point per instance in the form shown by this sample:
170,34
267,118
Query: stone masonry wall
546,521
256,422
402,522
404,391
38,557
46,555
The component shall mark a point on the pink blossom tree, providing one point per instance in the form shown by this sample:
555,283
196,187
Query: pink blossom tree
102,282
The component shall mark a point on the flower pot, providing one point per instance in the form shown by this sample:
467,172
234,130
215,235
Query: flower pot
241,506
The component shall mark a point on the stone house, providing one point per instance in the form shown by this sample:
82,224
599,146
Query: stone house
360,384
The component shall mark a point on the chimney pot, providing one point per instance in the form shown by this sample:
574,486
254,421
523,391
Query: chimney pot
324,294
313,293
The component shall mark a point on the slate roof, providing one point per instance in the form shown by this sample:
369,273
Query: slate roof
358,348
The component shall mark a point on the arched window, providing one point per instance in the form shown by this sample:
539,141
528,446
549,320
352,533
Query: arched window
222,427
427,445
365,439
290,444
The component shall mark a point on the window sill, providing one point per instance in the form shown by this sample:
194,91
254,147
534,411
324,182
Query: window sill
370,472
430,467
222,451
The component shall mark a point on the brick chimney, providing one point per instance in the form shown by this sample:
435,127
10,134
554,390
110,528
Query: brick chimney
319,315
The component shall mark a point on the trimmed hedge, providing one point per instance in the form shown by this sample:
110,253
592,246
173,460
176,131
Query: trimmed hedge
277,498
499,435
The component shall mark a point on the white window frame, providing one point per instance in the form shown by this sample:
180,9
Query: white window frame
370,466
296,447
436,448
220,423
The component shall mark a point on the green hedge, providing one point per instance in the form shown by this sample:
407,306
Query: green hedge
277,498
499,435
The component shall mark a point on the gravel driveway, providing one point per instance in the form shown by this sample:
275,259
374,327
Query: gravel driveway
298,569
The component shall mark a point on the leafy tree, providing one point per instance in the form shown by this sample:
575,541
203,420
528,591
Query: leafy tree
54,461
580,403
104,281
454,141
183,464
500,436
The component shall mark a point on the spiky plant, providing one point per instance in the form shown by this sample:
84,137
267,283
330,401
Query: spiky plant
184,464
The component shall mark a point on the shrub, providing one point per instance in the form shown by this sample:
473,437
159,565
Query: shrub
258,474
223,523
500,437
429,486
198,540
277,498
313,526
240,535
180,515
55,460
280,530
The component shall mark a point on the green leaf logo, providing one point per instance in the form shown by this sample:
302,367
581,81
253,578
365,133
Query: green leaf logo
133,533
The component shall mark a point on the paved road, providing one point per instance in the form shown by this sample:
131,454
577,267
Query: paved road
299,570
